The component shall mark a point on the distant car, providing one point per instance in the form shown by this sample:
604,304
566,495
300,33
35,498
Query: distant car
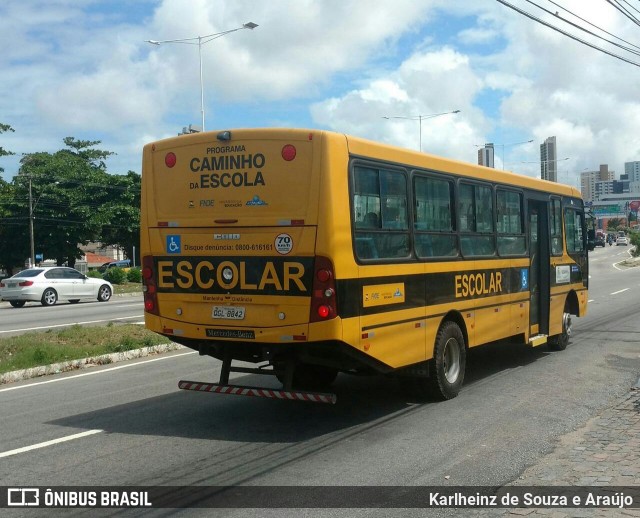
622,240
48,285
124,263
600,240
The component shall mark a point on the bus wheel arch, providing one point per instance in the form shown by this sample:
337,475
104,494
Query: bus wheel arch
447,367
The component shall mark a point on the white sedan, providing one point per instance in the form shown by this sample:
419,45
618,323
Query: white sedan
622,240
50,284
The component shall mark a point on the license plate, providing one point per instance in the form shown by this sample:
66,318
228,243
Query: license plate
228,312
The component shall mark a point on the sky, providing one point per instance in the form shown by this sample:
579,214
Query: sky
369,68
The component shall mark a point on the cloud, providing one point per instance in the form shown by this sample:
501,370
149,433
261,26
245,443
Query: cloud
84,69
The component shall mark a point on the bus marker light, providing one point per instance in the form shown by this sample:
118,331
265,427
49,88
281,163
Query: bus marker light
170,159
148,305
288,152
367,347
179,311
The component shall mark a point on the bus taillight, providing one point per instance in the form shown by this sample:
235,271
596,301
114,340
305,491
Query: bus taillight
149,286
323,299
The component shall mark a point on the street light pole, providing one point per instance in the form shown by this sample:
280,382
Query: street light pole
420,118
200,41
503,145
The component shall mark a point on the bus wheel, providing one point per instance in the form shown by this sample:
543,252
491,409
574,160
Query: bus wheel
560,342
448,364
312,377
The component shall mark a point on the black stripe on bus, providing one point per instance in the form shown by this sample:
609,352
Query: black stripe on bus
431,289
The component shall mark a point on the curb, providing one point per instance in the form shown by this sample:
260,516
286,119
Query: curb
84,363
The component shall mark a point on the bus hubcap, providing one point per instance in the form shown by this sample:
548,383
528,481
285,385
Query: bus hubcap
451,363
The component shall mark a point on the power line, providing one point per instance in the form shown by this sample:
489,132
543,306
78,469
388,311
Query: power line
593,25
565,33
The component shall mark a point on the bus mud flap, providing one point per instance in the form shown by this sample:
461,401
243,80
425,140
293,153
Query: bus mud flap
239,390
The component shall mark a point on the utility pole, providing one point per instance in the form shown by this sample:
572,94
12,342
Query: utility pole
32,258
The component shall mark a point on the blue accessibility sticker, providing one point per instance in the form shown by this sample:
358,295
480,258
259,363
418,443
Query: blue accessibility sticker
524,279
173,244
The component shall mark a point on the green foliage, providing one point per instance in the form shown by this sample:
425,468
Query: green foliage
4,152
74,201
95,274
634,239
115,275
76,342
134,275
614,224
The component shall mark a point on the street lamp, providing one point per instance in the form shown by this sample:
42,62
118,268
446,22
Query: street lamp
200,41
546,162
420,118
510,144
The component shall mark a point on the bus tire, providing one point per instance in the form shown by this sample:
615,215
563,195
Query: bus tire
560,342
448,365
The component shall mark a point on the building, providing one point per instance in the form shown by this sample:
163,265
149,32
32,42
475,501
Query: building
549,160
591,184
486,155
632,171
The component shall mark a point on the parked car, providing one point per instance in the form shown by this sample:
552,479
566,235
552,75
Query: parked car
622,240
600,240
124,264
48,285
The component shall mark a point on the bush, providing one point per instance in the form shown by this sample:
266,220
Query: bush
95,274
134,275
634,239
115,275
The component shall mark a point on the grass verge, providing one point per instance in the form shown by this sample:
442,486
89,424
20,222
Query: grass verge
72,343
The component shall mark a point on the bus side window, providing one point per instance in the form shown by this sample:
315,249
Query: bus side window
573,223
556,226
381,215
510,223
476,220
434,224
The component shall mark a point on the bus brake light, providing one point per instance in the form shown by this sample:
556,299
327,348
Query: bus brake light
324,311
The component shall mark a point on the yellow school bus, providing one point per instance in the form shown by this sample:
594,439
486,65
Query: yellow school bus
308,253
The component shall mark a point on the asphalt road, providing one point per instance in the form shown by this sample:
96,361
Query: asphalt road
35,317
137,428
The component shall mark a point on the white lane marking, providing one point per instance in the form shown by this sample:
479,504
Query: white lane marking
590,300
49,443
619,291
117,367
69,324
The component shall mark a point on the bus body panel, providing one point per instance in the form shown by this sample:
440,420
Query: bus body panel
241,223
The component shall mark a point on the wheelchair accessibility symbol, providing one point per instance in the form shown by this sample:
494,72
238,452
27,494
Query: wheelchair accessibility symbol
173,244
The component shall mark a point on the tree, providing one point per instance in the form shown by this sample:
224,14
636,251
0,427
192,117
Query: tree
123,215
613,224
74,201
3,152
